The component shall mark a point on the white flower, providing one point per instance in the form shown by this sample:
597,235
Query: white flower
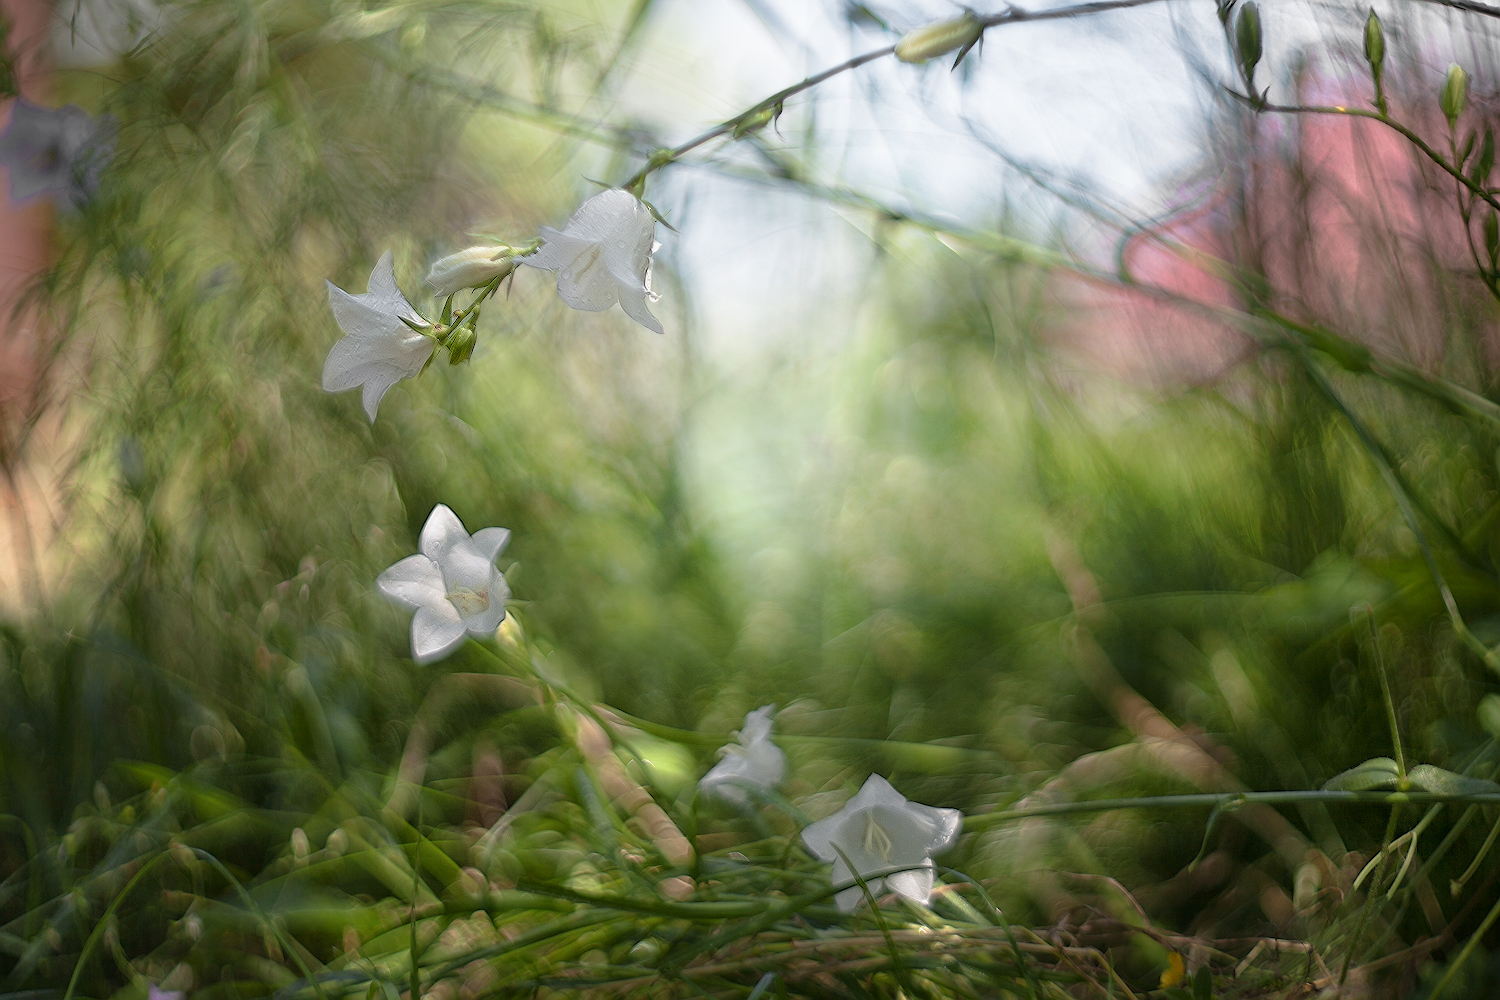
755,760
603,256
60,152
453,585
879,830
470,268
379,350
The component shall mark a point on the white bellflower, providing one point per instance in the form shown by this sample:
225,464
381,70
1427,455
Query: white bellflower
380,349
879,830
603,256
754,761
452,584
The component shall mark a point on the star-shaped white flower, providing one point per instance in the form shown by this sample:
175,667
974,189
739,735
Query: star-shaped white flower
878,830
453,585
603,256
60,152
379,350
754,760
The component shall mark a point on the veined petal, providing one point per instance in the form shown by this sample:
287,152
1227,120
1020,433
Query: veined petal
384,293
485,623
442,531
489,542
586,284
819,837
353,359
876,791
945,826
414,581
436,631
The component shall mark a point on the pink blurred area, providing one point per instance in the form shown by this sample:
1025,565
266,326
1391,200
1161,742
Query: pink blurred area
25,229
1326,218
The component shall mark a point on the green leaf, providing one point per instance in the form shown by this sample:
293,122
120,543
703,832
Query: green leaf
1435,779
1203,984
1378,772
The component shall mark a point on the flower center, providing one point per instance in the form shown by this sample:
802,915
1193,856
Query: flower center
469,602
877,841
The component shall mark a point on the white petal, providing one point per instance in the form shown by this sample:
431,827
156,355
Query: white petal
766,764
914,885
441,533
489,542
586,284
414,581
558,250
468,269
819,836
848,900
355,359
384,295
876,791
757,725
633,302
436,631
485,623
945,825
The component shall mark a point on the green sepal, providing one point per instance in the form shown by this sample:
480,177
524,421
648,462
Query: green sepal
656,214
1486,161
448,311
1378,772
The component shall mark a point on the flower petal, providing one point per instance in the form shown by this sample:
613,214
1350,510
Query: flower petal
634,304
914,885
557,250
489,542
585,282
436,631
414,581
441,533
819,837
876,791
384,294
945,824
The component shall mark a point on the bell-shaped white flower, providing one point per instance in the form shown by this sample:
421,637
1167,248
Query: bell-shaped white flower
879,830
60,152
603,256
470,268
754,761
380,349
453,585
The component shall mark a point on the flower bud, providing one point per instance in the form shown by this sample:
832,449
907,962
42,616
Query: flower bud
1374,43
1247,38
1455,94
460,344
470,268
939,38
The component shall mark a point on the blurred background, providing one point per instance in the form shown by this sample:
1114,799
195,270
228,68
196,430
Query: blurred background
914,461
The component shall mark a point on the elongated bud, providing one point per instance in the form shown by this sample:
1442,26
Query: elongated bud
1247,38
939,38
470,268
1455,94
1374,43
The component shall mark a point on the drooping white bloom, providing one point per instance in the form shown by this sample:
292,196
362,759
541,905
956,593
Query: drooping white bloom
470,268
60,152
379,350
603,256
879,830
754,760
452,584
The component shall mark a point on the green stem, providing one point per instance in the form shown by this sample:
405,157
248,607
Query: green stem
1463,956
1385,694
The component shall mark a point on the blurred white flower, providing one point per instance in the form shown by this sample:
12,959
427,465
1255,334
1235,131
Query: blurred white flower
60,152
154,992
380,349
453,585
603,256
470,268
754,760
878,830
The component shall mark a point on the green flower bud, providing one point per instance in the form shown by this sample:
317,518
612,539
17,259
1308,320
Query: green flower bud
939,38
1374,43
1455,94
1247,38
461,344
